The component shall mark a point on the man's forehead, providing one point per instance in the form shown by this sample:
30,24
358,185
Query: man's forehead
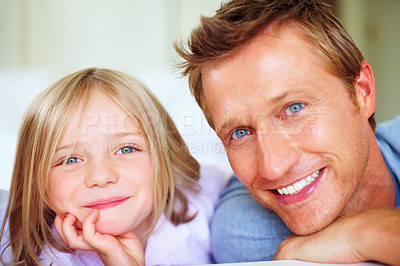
265,71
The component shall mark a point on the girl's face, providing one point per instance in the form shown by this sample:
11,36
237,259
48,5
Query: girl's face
107,167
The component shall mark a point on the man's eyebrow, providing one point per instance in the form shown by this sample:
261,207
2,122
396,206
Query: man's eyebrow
219,129
280,96
226,124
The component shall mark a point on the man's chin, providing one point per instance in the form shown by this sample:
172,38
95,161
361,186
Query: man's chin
305,226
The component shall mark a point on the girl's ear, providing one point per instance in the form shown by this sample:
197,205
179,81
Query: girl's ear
365,89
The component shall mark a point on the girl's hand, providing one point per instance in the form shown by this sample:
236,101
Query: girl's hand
124,249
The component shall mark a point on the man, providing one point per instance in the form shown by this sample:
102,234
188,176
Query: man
292,99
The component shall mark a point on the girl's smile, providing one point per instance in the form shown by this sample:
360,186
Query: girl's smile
107,203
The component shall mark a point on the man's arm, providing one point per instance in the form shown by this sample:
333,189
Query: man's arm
242,229
371,235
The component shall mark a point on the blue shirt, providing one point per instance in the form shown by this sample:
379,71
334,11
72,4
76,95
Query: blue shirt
388,137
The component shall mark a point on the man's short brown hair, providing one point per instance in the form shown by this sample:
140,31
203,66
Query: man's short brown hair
238,21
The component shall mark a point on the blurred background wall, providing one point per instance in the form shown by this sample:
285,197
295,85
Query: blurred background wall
43,40
375,27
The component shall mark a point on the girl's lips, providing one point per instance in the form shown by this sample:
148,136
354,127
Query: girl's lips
108,203
303,194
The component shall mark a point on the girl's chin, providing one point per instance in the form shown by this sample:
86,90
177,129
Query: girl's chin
110,229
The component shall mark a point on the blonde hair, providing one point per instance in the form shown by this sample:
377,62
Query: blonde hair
29,209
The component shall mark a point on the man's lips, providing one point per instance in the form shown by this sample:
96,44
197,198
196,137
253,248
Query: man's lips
299,185
106,203
300,190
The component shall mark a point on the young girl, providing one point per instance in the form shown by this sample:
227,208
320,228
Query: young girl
101,175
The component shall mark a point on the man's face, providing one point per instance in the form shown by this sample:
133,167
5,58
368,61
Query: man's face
292,135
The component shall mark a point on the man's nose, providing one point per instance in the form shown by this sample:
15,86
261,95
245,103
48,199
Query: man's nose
277,154
101,172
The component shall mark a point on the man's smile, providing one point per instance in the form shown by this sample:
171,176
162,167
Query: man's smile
300,190
299,185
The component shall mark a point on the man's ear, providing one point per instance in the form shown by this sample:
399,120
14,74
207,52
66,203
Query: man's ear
365,90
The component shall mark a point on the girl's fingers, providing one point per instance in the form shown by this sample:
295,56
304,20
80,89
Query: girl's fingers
58,225
69,230
73,237
99,241
110,249
122,250
88,227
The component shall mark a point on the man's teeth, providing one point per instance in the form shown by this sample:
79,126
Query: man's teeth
299,185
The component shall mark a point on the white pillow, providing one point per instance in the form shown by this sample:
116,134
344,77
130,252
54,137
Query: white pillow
3,197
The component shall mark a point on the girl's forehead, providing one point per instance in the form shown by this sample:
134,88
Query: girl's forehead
100,116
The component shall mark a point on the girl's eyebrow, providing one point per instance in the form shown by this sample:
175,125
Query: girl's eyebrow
118,135
68,146
125,134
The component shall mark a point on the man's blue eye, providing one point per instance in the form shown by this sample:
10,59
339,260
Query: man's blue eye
237,134
126,150
72,160
294,108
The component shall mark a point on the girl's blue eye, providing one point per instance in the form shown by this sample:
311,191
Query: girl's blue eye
72,160
240,133
126,150
294,108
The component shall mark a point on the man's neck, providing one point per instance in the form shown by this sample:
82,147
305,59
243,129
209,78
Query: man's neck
376,188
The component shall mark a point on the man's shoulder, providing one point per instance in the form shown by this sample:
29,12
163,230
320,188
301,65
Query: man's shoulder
389,125
387,134
388,138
